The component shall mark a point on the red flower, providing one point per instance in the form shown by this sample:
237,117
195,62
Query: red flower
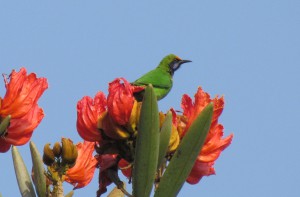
88,112
82,173
20,101
214,143
120,100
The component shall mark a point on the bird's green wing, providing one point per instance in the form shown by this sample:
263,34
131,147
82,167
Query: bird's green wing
157,78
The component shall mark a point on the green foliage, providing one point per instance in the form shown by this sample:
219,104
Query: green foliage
22,175
38,171
147,146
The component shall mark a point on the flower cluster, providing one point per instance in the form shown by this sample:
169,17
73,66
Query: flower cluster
214,144
109,125
20,103
112,123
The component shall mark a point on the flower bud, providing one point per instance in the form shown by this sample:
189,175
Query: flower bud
69,152
48,156
57,149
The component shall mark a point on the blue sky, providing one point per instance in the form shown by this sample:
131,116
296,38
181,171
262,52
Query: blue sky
247,51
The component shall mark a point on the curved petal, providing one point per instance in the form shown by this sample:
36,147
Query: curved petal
20,130
199,170
192,110
213,147
88,112
83,172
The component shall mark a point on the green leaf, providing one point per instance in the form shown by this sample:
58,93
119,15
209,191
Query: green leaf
147,145
70,194
4,124
164,139
38,171
185,156
22,175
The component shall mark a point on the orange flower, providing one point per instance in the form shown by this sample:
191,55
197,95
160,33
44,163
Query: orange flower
20,101
214,143
120,100
112,116
88,112
82,173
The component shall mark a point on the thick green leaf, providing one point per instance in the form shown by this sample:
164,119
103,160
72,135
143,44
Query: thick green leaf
164,139
185,156
22,175
38,171
147,146
4,124
70,194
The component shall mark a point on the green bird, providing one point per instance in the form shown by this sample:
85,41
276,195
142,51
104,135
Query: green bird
161,77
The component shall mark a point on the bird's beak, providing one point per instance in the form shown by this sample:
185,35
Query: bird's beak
177,64
184,61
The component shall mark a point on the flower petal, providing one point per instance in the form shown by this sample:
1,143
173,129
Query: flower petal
88,112
120,100
21,129
82,173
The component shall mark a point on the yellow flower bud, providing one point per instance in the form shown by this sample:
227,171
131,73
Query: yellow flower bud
57,149
48,156
69,152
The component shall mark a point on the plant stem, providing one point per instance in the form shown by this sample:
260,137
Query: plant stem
58,190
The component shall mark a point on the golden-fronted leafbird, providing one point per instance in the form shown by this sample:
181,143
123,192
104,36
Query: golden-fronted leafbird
160,77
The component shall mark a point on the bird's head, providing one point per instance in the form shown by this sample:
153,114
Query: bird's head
172,63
